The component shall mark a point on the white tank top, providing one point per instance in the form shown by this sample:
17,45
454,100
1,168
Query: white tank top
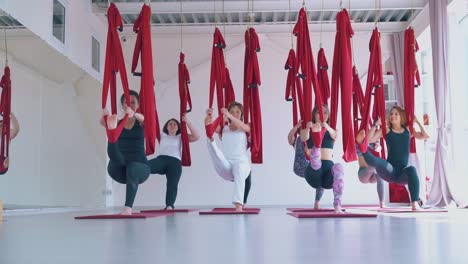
170,146
234,144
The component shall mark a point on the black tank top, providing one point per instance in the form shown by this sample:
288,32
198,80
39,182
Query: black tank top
398,146
132,143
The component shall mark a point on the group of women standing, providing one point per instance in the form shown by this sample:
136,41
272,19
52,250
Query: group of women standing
313,159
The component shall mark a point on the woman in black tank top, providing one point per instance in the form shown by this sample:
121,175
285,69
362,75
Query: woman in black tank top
396,168
128,164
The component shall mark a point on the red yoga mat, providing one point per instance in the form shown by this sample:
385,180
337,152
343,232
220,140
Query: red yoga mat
408,210
225,211
168,211
119,216
311,210
328,215
358,206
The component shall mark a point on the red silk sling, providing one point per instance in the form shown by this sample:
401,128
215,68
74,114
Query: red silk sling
5,111
251,100
114,63
185,107
411,74
143,48
342,76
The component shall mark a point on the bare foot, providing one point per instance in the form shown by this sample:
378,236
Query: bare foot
415,206
126,211
169,207
381,204
338,209
239,207
316,205
112,122
360,137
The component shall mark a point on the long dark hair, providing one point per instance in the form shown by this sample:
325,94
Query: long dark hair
167,123
132,92
316,111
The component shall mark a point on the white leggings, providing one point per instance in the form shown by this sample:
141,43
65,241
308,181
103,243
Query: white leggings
231,170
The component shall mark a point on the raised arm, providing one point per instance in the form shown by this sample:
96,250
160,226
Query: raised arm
193,135
237,122
422,133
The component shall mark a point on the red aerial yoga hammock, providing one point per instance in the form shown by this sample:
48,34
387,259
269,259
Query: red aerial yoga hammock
252,109
305,62
411,74
143,47
185,101
114,63
218,81
293,87
374,87
342,76
5,111
322,76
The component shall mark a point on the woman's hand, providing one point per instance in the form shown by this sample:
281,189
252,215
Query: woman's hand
184,118
129,111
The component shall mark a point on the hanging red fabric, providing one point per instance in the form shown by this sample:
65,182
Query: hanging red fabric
305,61
358,100
374,86
143,48
185,107
252,109
5,111
342,76
293,87
229,95
114,63
322,76
411,74
218,81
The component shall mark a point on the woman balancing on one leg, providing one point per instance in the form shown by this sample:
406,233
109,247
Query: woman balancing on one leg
301,162
395,169
14,130
368,174
322,172
168,161
128,164
231,161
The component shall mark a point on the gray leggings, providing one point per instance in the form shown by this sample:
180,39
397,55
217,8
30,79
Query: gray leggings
300,165
369,175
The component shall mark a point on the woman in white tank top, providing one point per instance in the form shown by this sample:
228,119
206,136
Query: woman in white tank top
231,161
168,161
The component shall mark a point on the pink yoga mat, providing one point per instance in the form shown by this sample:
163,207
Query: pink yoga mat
226,211
168,211
357,206
118,216
311,210
408,210
329,215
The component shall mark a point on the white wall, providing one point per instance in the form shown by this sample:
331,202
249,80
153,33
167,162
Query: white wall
54,159
273,182
80,25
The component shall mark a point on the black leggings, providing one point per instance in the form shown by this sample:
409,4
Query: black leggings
172,168
321,178
248,184
405,175
131,173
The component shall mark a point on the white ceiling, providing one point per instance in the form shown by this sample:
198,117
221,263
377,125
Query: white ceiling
393,15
